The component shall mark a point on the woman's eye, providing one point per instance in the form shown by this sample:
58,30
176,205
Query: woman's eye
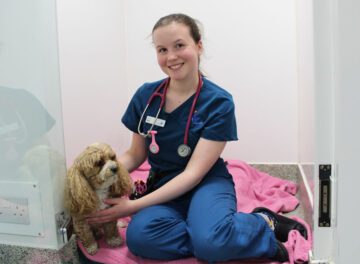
179,45
161,50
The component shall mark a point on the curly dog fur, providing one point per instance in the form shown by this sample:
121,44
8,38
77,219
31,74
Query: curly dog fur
94,176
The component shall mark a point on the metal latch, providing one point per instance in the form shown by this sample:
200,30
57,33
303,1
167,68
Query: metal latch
325,195
64,226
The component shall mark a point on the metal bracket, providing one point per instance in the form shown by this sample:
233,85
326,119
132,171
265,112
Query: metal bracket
312,260
325,195
64,226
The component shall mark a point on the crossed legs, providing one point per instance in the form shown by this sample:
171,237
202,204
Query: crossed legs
206,226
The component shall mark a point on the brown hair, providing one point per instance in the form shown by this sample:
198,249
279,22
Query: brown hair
188,21
191,23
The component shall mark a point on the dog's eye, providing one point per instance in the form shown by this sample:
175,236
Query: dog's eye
113,157
100,163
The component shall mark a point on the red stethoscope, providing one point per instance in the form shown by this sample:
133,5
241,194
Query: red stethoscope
184,149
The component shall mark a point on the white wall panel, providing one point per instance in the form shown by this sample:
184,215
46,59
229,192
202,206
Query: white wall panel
347,130
106,53
93,73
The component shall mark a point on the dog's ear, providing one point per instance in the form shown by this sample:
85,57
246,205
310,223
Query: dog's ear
80,197
123,185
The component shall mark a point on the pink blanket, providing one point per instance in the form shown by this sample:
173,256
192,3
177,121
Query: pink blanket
253,188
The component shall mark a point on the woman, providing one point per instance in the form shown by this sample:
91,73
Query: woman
190,206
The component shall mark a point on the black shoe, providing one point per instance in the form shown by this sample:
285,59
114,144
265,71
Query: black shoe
283,225
281,254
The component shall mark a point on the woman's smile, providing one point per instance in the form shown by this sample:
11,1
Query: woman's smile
176,66
177,52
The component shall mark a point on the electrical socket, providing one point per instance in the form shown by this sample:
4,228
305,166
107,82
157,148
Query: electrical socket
14,210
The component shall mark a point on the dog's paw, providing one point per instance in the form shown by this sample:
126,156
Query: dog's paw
92,248
114,241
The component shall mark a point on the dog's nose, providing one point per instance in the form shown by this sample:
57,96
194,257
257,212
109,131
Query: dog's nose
114,169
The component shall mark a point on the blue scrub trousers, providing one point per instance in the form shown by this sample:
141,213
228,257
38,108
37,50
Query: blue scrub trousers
204,224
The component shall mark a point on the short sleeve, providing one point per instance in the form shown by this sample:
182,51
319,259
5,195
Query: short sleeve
133,112
221,125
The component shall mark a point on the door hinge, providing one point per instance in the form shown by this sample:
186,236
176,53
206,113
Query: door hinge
325,195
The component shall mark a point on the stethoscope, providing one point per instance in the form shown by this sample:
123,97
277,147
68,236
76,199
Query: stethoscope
184,149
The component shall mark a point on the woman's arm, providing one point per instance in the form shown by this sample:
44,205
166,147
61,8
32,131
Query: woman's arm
136,154
204,157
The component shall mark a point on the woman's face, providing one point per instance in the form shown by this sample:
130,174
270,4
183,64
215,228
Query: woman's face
177,53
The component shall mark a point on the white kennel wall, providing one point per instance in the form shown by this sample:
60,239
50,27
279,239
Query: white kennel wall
329,126
92,51
32,162
250,49
346,26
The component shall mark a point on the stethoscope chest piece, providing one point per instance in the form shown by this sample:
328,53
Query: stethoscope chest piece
184,150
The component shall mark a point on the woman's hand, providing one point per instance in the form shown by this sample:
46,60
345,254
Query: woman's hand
120,207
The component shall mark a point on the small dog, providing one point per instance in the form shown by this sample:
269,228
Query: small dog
94,176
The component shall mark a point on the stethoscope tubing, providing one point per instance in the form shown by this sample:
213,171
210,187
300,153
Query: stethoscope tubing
192,110
165,85
162,102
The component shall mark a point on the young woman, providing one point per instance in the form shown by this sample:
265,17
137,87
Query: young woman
190,206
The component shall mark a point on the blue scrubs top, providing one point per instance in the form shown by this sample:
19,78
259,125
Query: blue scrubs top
213,119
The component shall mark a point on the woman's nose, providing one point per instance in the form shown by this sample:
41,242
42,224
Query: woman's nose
172,56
